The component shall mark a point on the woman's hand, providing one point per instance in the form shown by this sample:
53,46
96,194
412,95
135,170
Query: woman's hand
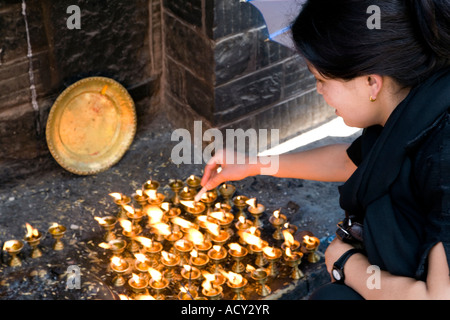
334,251
225,165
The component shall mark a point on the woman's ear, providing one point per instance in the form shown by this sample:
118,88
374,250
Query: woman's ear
375,83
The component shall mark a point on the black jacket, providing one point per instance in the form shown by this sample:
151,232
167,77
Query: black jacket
401,189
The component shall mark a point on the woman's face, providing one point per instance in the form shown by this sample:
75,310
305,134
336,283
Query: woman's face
350,99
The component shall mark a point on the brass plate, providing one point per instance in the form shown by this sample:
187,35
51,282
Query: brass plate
91,125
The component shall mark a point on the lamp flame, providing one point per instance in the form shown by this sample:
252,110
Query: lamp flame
162,228
194,253
104,245
269,251
249,268
151,193
234,278
155,274
218,215
309,240
154,213
182,222
252,239
117,261
188,203
168,256
288,238
235,247
101,221
276,214
140,257
288,252
146,242
195,236
251,202
31,232
128,209
117,196
126,225
135,278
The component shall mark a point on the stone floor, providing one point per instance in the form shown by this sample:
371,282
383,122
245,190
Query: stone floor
74,201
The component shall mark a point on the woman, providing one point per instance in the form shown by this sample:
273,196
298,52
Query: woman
395,83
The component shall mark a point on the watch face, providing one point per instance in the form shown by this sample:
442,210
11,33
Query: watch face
336,275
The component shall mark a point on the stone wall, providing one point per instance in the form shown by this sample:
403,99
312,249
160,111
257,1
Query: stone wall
220,65
115,40
202,60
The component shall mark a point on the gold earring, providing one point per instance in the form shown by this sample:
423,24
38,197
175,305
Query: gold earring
372,99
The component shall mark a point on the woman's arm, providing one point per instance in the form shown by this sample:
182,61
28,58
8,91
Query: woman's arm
328,163
357,276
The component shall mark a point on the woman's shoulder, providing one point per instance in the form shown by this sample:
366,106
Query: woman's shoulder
430,155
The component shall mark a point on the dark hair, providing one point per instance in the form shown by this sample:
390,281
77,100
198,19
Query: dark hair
413,40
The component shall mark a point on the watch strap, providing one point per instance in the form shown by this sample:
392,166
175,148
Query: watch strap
339,264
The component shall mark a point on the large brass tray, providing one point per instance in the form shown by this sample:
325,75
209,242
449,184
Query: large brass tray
91,125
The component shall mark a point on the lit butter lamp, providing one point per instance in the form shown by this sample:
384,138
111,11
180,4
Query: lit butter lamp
256,246
292,228
169,210
154,197
150,185
260,275
211,290
13,247
57,232
198,239
310,244
137,284
158,283
131,232
236,283
117,246
217,255
107,223
208,225
237,253
119,266
240,202
191,275
273,255
198,259
293,260
182,247
120,200
183,224
256,210
187,294
208,198
33,238
170,261
141,198
289,241
152,249
227,190
186,194
141,264
176,185
277,220
224,218
193,182
193,208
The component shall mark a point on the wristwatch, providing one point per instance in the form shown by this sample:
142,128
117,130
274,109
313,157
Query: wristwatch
338,267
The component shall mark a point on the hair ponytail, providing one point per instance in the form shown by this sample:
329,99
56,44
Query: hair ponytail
432,19
412,43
